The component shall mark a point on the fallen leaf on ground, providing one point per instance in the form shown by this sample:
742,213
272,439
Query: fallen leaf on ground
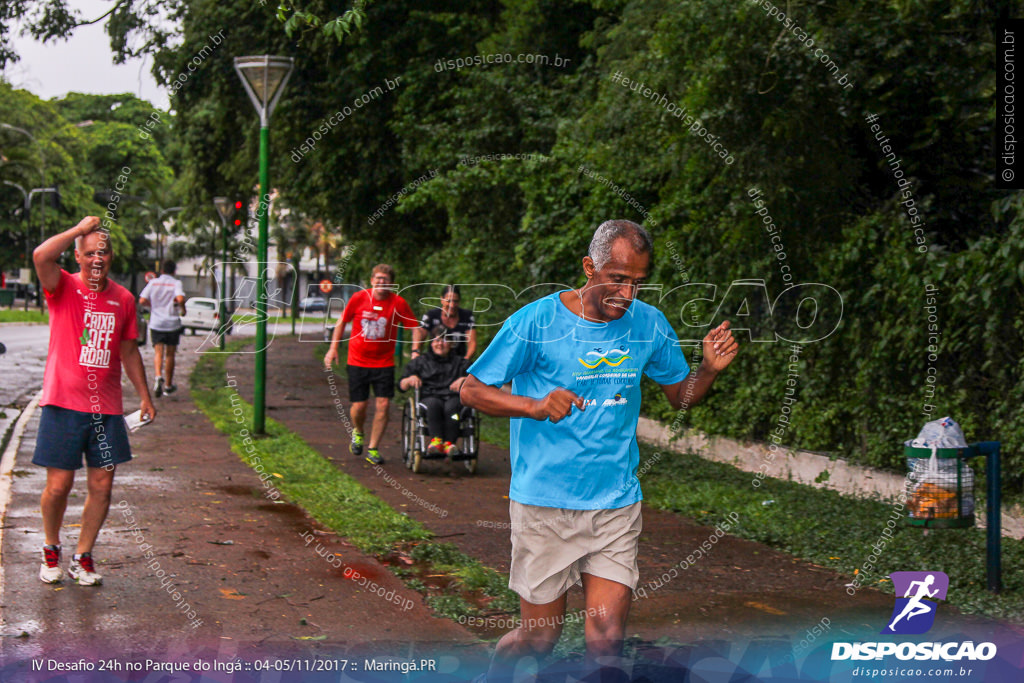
763,607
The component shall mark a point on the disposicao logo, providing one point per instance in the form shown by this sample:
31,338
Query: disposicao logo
913,614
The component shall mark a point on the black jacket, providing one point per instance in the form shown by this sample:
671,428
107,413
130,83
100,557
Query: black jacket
436,372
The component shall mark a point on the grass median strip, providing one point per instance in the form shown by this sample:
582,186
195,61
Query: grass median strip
340,503
13,316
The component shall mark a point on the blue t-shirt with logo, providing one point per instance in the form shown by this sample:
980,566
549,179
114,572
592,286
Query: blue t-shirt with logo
588,460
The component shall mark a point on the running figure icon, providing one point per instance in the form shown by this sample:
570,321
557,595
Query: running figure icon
915,606
919,591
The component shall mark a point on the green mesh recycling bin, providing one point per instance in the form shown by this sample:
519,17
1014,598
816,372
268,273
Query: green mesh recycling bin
940,487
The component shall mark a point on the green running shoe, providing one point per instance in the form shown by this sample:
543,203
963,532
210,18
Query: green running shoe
356,446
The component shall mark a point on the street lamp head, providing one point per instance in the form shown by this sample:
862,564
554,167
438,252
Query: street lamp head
225,207
18,129
264,78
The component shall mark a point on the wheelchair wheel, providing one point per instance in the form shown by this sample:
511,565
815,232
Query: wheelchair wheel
408,438
415,455
473,444
410,435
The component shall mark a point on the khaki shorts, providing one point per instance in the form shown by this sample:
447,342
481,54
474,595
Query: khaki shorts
552,547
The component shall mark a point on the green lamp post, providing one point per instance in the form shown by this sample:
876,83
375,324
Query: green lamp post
264,78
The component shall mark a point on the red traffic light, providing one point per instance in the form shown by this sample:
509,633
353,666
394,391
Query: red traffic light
238,222
238,206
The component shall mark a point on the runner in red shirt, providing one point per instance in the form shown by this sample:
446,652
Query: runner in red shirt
92,334
374,314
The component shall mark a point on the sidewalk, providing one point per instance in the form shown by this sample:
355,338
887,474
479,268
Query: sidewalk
230,576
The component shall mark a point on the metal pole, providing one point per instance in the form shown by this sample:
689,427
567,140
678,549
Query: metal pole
223,282
42,238
295,286
994,515
259,399
28,249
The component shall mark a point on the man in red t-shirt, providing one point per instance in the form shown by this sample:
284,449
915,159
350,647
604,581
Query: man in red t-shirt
92,334
374,314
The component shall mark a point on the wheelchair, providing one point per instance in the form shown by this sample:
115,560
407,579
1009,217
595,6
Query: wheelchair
415,436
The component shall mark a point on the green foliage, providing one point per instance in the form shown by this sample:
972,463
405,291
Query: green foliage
296,19
416,585
51,152
449,606
441,555
490,582
86,145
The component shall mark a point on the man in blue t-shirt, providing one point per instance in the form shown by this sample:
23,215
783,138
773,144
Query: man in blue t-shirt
575,497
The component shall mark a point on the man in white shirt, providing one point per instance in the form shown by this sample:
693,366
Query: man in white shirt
165,297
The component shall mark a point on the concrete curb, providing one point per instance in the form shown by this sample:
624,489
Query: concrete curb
804,467
6,472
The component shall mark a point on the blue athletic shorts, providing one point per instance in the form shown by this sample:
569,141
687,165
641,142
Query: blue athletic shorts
65,435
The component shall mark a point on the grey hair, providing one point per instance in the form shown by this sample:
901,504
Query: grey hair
609,231
102,231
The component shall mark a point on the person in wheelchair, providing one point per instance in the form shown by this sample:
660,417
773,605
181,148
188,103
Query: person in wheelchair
439,375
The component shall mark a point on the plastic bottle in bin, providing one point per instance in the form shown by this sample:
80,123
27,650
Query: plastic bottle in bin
936,486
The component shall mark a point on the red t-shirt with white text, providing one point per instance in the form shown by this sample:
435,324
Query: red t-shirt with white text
83,364
372,341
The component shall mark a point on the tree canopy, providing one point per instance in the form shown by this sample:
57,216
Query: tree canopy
87,146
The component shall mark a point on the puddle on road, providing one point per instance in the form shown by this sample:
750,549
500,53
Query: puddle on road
237,489
291,513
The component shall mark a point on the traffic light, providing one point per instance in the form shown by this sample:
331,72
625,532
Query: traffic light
238,209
